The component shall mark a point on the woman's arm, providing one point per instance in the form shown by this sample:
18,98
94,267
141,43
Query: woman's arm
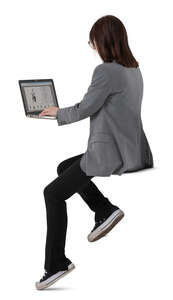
92,101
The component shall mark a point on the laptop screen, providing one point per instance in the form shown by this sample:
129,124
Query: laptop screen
38,95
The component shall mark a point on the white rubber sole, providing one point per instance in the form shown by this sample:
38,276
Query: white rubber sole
51,280
105,227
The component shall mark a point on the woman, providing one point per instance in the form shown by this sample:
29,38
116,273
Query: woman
117,143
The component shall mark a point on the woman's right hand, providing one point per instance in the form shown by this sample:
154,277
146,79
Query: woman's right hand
50,111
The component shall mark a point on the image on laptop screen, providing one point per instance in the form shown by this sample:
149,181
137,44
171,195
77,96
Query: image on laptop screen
38,95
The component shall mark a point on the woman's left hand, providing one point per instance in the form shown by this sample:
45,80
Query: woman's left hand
50,111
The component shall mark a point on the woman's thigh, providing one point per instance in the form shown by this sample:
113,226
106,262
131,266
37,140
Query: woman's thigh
67,163
67,183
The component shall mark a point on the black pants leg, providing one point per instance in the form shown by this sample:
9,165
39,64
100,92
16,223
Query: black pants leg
89,193
71,180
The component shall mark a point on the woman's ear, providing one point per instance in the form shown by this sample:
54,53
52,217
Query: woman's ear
95,45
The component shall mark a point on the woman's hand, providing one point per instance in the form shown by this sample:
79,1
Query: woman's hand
50,111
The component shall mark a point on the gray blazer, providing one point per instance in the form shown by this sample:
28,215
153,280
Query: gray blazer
117,143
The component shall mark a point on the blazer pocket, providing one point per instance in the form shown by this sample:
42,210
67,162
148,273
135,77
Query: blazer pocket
103,157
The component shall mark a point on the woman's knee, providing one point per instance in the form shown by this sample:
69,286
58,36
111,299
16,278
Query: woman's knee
67,163
47,192
50,196
60,168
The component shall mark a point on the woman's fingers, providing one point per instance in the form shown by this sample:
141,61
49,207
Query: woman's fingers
45,111
52,110
42,113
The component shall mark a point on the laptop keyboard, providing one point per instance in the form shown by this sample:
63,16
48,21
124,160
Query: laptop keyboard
35,112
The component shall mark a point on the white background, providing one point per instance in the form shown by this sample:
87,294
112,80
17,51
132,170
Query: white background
49,39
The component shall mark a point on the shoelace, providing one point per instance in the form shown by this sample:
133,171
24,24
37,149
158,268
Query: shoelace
97,223
44,276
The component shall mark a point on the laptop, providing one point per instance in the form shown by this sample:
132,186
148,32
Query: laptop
38,94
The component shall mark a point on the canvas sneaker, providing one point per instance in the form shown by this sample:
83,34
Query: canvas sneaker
50,278
104,225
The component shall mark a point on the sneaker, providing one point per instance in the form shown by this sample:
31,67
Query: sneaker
50,278
104,225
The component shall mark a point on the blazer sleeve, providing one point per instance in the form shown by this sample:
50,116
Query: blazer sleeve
92,101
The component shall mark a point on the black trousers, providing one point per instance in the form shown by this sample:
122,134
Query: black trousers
71,180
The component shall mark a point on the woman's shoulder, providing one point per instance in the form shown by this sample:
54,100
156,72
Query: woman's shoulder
106,68
109,67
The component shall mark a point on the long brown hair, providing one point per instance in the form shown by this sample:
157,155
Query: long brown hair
110,36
